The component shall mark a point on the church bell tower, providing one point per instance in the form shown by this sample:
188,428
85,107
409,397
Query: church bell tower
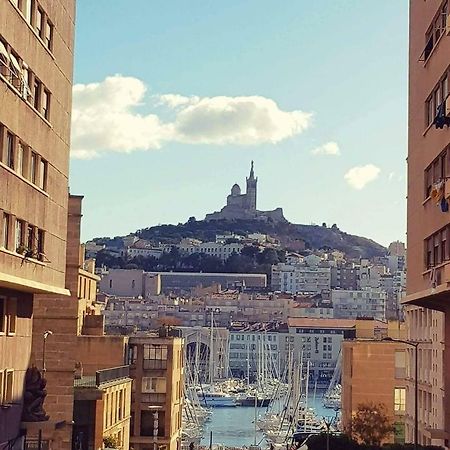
251,190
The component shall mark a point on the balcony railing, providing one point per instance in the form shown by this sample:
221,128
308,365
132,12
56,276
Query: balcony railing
113,374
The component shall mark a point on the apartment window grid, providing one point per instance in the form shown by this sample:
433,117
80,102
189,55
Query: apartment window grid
400,399
16,72
15,154
436,98
155,356
37,18
436,29
8,315
436,248
437,171
6,386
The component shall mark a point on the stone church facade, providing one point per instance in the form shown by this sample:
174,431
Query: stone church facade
243,206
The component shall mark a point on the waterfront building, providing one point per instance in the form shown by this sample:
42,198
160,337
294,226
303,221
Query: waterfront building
102,409
156,366
254,350
36,65
368,303
319,341
427,220
375,372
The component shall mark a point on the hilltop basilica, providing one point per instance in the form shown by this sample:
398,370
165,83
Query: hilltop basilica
243,206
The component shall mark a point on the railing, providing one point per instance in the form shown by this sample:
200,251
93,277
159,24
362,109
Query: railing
108,375
16,79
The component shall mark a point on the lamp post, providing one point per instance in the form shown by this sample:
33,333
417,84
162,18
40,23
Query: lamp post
45,336
416,384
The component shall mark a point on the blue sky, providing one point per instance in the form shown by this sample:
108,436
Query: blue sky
343,62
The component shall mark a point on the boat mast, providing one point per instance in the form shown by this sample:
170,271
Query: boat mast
211,353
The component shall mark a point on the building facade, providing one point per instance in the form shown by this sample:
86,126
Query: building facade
368,303
428,313
374,372
156,366
36,62
102,409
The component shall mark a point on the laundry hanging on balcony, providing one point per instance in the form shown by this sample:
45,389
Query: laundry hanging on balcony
438,195
441,119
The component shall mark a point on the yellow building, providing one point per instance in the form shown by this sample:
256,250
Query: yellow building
156,366
102,410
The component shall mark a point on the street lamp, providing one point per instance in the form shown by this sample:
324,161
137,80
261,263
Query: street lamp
416,384
45,336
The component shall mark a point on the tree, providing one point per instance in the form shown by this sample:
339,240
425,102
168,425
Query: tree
370,424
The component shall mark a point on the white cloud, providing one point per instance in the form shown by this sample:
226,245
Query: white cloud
105,119
391,176
330,148
357,177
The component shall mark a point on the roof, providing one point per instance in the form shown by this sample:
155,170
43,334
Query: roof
303,322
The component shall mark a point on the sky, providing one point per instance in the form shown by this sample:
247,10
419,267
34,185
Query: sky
174,98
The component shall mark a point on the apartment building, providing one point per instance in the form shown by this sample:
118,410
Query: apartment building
349,304
374,372
156,366
428,314
36,59
300,278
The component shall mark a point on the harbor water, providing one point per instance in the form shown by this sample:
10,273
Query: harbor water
236,427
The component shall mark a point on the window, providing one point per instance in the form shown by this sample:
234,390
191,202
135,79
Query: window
9,159
2,317
48,37
20,159
40,244
46,104
30,237
11,315
400,399
8,386
132,354
37,94
39,19
400,364
5,230
20,225
33,167
29,11
153,385
42,174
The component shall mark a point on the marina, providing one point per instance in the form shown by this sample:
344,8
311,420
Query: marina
235,426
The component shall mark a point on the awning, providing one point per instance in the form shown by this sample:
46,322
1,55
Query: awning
16,65
3,52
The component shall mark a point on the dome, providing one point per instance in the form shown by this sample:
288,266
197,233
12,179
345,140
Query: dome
235,190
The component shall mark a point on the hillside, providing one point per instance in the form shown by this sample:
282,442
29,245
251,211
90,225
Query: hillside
314,236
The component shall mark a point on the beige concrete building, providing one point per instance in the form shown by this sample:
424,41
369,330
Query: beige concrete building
156,366
374,372
36,62
102,409
428,243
